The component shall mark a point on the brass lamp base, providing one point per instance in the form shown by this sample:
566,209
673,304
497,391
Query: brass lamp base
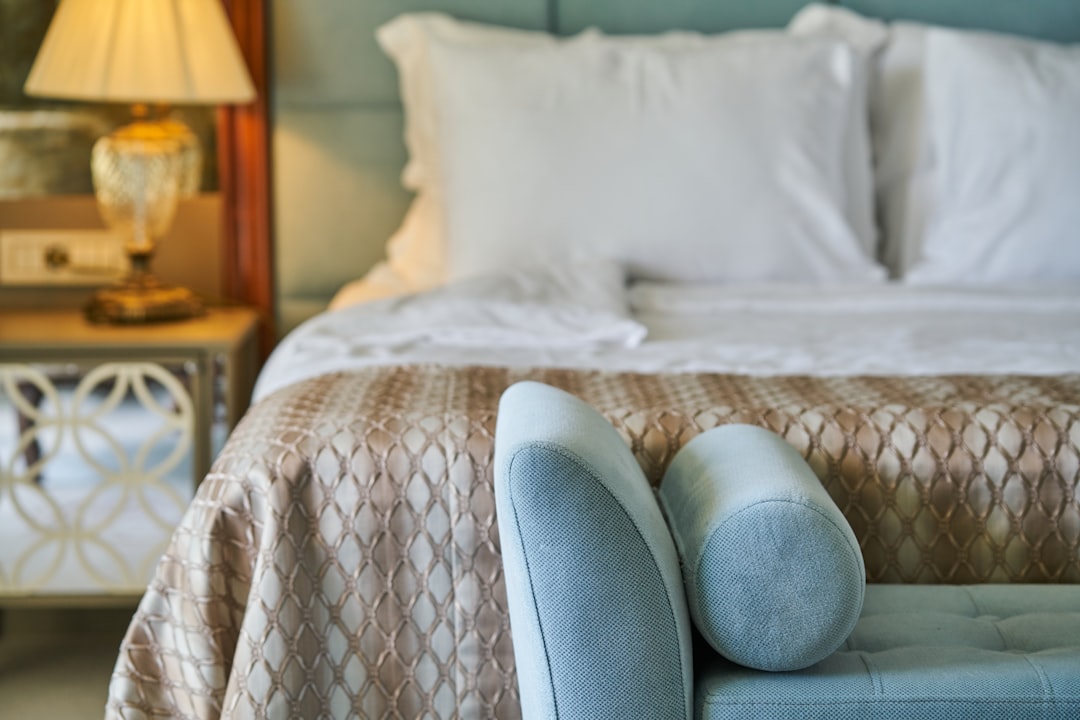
142,298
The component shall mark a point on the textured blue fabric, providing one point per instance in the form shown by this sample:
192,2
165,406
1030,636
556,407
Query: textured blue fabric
774,575
597,610
991,652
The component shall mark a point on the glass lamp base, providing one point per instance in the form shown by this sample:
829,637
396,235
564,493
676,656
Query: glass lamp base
142,298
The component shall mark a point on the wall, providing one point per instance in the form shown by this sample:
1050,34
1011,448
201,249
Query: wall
337,150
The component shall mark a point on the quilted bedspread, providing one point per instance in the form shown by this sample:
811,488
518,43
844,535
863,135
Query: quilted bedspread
341,559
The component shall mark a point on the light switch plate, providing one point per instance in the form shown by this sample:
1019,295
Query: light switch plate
61,257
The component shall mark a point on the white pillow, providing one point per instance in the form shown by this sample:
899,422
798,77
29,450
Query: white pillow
407,41
415,253
685,157
867,37
1004,128
902,164
917,204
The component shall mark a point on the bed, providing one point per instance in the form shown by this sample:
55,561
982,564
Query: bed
820,229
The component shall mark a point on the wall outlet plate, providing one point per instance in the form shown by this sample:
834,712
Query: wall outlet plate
61,257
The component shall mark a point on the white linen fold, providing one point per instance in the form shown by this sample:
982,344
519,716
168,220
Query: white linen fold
580,304
583,317
893,298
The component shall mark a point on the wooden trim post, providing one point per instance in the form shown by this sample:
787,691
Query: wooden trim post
245,171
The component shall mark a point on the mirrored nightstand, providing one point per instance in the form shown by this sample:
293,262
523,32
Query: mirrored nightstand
105,431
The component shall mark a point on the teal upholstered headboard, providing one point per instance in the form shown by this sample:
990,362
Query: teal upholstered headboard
337,119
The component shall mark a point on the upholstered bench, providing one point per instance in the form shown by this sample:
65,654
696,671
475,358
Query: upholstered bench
745,596
923,651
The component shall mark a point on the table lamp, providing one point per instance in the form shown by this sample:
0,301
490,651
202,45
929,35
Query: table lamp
150,54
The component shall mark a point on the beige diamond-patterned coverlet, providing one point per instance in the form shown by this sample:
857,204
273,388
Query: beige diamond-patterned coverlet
341,559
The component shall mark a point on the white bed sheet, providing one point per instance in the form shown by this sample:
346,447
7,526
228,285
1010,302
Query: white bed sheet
561,318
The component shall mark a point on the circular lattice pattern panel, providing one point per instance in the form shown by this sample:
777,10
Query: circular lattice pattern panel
95,472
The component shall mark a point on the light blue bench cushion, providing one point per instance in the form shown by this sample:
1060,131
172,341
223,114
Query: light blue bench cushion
984,652
597,610
773,572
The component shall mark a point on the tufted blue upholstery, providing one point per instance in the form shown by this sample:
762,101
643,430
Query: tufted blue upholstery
597,610
985,652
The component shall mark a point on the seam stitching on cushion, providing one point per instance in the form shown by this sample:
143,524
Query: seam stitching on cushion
532,591
875,676
559,450
1047,686
979,612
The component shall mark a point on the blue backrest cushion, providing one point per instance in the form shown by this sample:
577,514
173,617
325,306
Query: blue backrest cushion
597,610
773,572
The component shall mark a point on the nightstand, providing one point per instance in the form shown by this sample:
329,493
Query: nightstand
105,431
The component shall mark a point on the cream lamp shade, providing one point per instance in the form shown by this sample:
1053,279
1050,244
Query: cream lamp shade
147,53
141,51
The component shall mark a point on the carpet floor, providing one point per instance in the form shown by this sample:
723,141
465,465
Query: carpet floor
56,664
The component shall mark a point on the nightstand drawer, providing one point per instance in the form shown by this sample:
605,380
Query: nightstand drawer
102,442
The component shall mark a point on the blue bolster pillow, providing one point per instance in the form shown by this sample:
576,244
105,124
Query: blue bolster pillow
773,572
597,610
